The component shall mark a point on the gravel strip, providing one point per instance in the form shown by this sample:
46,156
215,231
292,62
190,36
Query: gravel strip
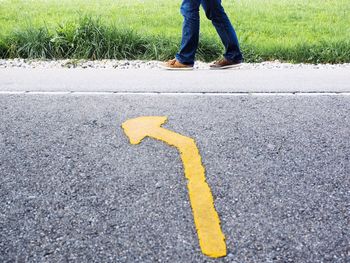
138,64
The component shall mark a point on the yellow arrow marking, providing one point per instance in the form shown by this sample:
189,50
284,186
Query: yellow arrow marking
206,219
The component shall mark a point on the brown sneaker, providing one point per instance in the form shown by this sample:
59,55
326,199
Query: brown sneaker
225,63
173,64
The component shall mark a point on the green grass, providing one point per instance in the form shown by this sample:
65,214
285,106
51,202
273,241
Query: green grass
314,31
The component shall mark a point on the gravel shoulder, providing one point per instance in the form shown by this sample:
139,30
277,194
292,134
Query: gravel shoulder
138,64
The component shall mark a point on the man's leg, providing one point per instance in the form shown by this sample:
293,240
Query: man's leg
190,31
216,13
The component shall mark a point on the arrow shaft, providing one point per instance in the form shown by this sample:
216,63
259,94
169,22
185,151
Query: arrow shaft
206,219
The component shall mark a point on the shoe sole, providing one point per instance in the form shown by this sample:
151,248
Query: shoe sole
226,67
167,68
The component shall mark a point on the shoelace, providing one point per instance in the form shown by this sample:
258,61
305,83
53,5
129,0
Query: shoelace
173,62
220,61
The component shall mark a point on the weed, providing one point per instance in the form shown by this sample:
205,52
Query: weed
30,43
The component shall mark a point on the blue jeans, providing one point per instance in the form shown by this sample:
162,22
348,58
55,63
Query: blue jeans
190,31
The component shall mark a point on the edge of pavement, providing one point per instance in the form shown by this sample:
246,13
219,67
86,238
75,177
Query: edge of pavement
161,81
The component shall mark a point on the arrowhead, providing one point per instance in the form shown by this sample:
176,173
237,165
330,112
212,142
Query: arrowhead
138,128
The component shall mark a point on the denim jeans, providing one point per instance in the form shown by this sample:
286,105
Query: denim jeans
190,31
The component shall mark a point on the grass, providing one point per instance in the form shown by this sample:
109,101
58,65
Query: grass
313,31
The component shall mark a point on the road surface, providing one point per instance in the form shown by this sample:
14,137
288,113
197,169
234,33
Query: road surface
72,188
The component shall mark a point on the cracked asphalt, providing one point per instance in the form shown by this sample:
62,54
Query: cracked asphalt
72,189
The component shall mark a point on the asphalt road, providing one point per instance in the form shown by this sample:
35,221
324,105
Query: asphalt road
73,189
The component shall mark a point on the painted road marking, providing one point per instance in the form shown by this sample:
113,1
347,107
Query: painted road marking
206,219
